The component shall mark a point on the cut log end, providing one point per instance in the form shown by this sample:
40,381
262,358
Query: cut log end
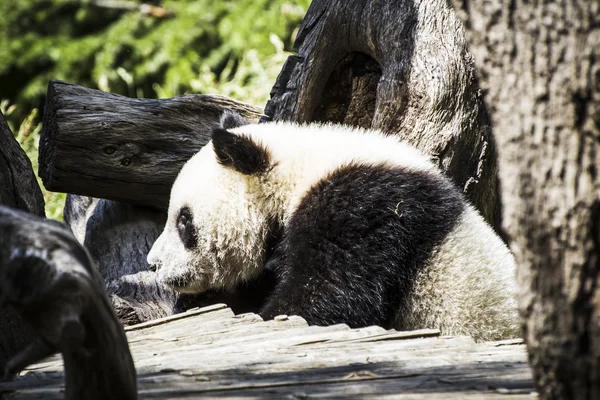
104,145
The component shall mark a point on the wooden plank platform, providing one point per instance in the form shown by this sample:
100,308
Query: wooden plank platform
210,353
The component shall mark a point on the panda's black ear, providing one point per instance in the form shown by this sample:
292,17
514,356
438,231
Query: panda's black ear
240,152
231,119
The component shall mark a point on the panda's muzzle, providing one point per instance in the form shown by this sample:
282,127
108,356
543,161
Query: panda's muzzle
184,283
152,258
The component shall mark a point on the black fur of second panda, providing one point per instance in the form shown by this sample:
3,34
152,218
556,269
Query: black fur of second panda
351,250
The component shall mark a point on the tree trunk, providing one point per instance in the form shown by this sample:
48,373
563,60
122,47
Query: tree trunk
18,189
539,64
18,185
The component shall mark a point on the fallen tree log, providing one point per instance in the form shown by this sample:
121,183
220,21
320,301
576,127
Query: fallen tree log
49,278
104,145
18,189
118,237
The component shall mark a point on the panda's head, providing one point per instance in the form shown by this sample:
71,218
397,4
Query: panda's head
216,228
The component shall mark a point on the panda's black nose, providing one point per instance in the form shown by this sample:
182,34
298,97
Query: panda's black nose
152,267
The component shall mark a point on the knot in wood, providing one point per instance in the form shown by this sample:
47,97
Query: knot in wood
132,148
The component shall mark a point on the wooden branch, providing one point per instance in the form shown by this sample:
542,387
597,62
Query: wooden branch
18,189
401,68
143,8
116,4
118,237
49,278
104,145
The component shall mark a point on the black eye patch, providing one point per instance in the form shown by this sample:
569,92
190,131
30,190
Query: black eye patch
186,229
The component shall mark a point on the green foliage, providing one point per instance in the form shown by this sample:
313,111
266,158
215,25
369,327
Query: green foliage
230,47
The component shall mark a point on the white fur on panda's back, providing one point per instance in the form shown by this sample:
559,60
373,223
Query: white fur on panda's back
468,285
305,154
330,146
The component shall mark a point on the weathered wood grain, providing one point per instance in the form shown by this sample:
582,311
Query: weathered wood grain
50,280
108,146
118,237
18,189
212,353
402,67
541,73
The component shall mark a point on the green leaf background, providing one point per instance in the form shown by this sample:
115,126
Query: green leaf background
231,47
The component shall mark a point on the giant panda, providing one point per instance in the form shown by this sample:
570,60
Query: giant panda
356,227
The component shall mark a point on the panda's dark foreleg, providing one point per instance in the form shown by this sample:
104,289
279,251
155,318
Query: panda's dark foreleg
326,285
321,302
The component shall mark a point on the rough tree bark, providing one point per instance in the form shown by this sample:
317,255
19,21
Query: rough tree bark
18,189
108,146
539,64
401,67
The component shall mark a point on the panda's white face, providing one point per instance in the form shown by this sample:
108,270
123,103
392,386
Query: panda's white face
214,235
226,195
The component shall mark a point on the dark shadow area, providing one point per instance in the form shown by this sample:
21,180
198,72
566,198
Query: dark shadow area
350,94
352,64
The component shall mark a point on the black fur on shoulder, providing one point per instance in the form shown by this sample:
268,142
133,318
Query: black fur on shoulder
231,119
351,251
240,152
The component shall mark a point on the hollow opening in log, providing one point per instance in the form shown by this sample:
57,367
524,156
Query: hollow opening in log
350,94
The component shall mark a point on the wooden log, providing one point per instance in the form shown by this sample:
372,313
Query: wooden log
110,229
118,237
401,67
49,278
18,189
104,145
210,353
